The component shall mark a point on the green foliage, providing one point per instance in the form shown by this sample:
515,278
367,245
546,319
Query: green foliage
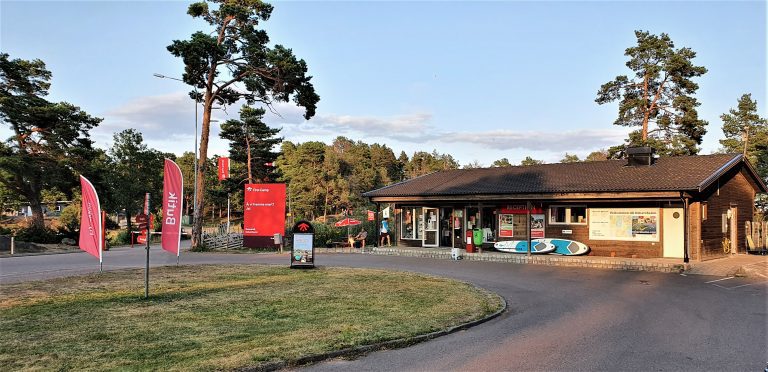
70,217
50,140
422,163
659,97
473,165
598,155
122,237
503,162
34,234
531,161
747,132
568,158
136,170
250,146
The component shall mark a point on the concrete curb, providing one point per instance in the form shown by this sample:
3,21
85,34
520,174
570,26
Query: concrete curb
365,349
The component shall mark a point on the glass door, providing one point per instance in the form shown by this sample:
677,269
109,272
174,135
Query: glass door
431,237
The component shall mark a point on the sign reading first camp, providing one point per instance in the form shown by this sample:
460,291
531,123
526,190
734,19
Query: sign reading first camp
264,212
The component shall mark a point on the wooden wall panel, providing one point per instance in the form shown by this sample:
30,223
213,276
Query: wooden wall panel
735,189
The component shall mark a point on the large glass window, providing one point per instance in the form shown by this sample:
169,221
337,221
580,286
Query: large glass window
568,215
411,223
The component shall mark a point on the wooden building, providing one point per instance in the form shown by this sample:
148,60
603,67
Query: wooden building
692,207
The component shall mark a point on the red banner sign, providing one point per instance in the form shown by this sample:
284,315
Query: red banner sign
90,220
173,186
264,209
223,168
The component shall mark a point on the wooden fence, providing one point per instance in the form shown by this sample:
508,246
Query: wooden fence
223,241
757,235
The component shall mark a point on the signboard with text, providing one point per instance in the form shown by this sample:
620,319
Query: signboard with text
638,224
303,251
263,213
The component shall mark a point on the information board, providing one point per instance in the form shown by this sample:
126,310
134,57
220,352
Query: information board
634,224
264,209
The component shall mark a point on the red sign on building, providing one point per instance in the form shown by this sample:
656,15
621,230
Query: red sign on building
264,210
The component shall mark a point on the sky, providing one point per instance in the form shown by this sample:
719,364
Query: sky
480,81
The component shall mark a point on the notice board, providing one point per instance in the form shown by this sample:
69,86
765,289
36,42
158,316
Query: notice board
263,212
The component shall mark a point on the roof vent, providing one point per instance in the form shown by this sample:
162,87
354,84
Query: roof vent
638,156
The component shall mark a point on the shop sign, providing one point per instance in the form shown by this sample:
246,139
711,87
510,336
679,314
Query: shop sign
520,209
506,225
537,226
634,224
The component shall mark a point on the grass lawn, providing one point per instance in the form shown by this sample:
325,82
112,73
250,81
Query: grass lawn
221,317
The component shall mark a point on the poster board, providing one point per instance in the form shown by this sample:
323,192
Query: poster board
630,224
303,251
264,210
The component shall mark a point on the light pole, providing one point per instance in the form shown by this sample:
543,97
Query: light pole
194,195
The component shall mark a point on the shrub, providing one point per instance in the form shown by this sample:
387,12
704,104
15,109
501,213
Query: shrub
33,234
122,237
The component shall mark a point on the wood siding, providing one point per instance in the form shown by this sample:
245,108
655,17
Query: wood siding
733,189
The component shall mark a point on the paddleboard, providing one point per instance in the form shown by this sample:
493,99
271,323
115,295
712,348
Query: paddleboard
567,247
538,246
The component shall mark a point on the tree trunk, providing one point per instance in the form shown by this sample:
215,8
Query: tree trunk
38,218
248,151
197,228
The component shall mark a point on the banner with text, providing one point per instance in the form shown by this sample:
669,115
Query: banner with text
173,186
90,220
264,209
223,168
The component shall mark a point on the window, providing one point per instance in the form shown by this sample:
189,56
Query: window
703,211
568,215
411,223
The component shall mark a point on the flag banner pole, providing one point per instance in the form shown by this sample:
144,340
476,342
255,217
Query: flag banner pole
149,237
173,189
91,239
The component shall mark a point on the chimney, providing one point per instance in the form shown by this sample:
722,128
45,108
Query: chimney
639,156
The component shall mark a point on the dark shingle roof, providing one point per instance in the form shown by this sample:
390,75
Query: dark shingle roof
666,174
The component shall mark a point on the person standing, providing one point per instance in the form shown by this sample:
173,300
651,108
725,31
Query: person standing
385,232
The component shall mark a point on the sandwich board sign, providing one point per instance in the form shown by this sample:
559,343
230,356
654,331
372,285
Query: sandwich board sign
303,248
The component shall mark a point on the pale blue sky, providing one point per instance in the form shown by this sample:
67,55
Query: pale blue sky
478,80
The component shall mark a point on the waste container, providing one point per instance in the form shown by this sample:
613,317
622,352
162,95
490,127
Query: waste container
478,237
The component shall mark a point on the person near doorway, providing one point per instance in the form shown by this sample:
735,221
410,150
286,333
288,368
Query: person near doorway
385,233
360,238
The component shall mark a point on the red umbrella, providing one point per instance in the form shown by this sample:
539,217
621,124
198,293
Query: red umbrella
347,222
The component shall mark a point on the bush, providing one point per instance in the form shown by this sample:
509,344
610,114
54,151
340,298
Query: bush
33,234
122,237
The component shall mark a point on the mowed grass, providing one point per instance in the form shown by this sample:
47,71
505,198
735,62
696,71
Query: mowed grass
221,317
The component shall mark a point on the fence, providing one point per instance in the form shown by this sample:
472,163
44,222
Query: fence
757,235
225,241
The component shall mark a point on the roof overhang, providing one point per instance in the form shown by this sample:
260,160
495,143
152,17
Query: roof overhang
560,197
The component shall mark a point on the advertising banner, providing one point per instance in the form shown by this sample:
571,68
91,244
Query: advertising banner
636,224
506,225
173,186
537,226
90,220
264,209
223,168
371,215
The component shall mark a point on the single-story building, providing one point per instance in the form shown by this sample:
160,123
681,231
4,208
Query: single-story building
688,207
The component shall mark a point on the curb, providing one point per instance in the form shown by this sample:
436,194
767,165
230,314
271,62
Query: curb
365,349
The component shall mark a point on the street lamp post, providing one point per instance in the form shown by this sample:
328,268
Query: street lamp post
194,195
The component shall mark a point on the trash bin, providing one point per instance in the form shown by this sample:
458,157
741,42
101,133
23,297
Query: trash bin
478,237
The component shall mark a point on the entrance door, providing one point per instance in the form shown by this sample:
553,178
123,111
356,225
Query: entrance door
674,232
431,228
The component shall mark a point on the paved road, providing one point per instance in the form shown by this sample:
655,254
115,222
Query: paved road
559,318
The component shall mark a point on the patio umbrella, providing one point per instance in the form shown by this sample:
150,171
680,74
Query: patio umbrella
347,222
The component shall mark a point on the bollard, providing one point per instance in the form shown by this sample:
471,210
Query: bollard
13,245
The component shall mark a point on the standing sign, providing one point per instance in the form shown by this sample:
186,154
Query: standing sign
90,220
173,185
303,251
223,168
264,213
371,215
